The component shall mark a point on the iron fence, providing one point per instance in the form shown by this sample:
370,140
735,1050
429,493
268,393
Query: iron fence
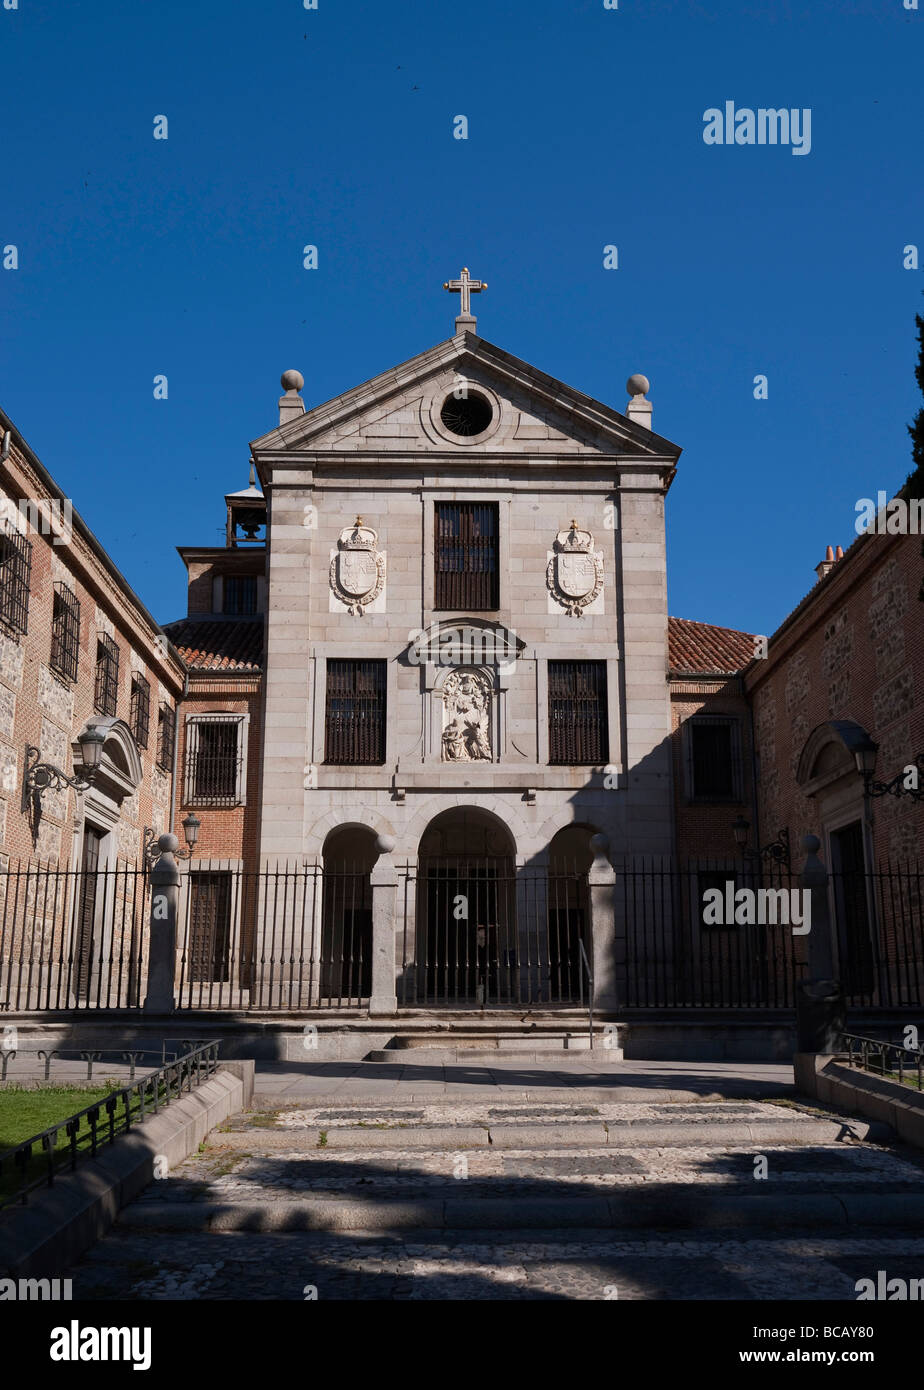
469,933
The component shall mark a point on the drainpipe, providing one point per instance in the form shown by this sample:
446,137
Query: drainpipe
176,749
755,803
6,447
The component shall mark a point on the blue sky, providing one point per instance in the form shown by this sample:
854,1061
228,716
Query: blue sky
334,127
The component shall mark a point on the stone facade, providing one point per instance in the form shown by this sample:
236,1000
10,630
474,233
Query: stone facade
548,455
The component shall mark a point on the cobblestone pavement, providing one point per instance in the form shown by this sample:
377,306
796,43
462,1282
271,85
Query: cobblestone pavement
488,1265
142,1259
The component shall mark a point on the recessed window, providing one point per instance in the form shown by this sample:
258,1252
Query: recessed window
215,747
65,632
713,746
466,557
240,594
166,730
15,571
140,710
578,724
355,725
107,675
471,414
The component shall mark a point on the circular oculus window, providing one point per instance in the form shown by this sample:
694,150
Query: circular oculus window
468,415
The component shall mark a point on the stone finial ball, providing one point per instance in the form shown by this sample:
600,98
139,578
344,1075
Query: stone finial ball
167,843
292,380
638,385
811,844
599,844
385,843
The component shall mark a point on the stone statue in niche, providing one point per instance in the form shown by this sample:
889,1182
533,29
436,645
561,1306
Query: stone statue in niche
466,717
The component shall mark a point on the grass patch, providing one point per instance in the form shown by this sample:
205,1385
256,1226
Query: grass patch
26,1112
322,1139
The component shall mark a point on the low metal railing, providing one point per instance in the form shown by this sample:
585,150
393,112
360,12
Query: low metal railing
138,1100
884,1058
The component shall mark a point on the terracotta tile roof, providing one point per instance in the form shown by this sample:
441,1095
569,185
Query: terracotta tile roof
207,644
701,647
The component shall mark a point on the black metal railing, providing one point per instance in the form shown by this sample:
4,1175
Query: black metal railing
470,932
885,1058
37,1161
479,932
691,943
72,938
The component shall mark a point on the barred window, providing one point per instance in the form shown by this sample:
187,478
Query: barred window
215,757
578,724
65,632
466,556
15,573
240,594
713,748
166,730
107,674
140,714
355,726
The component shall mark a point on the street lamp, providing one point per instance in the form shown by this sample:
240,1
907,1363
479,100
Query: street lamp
191,827
864,753
777,850
41,777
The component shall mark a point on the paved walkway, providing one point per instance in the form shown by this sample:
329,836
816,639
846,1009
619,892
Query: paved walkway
547,1078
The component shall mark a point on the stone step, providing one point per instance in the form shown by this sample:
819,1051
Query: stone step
670,1210
484,1126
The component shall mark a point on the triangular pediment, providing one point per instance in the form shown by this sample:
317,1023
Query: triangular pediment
402,411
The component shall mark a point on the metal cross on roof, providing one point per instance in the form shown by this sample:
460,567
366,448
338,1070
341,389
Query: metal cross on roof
465,286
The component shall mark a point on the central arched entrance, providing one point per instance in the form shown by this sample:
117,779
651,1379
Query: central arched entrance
466,928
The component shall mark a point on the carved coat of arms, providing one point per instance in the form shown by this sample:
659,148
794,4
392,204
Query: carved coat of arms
575,572
357,571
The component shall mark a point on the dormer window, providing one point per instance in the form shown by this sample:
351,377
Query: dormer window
240,594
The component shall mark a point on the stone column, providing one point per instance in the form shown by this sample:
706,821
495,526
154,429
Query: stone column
601,879
383,881
165,890
820,1014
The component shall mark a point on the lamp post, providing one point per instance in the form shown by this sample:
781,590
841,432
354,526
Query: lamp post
777,850
191,826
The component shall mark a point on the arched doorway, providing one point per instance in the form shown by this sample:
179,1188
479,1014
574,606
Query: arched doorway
570,858
466,932
346,916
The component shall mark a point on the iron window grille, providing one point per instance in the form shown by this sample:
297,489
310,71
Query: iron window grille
713,749
466,557
240,594
15,573
215,747
65,632
140,715
355,715
578,722
166,731
107,675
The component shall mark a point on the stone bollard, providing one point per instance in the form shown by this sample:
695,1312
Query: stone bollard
384,884
601,879
820,1012
165,891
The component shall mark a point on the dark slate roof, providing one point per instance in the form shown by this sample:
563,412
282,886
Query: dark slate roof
700,648
214,644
